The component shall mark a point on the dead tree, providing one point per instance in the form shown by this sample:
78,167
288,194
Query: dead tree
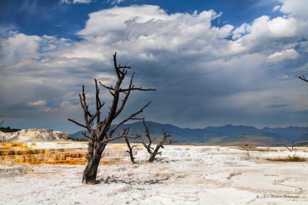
99,129
148,146
130,147
291,147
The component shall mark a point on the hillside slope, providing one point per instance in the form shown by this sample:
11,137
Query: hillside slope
226,135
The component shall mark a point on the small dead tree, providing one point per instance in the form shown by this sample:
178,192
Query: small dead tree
100,130
130,147
153,151
291,147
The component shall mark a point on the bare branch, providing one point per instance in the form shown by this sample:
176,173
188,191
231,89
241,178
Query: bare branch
124,133
137,89
132,116
121,70
153,151
133,88
85,135
158,146
99,104
115,64
147,132
148,146
302,77
125,98
84,105
100,135
106,86
77,123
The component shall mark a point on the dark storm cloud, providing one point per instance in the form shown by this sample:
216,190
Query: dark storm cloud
204,75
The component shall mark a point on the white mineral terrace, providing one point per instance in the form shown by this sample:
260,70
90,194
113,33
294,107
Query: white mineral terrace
210,175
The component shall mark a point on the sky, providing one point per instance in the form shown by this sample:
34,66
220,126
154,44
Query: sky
212,62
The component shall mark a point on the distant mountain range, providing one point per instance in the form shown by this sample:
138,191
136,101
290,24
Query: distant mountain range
222,135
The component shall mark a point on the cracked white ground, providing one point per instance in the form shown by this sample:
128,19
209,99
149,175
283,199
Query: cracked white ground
185,175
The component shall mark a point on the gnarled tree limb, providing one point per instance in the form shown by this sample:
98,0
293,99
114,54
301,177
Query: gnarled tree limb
99,129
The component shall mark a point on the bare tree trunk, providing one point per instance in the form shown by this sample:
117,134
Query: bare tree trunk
90,172
130,150
155,152
93,160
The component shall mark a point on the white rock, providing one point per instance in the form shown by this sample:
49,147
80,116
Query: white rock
33,135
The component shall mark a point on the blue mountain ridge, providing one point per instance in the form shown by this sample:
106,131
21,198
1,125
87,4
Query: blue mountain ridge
227,134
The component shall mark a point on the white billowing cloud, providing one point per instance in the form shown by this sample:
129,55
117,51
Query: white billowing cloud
19,47
288,54
264,30
141,29
117,19
289,27
296,8
218,68
282,27
76,1
84,51
277,27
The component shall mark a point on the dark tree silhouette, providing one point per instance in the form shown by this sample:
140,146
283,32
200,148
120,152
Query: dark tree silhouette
130,147
153,151
303,78
99,130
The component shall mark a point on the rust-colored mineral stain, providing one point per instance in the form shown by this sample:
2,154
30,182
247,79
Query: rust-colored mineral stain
22,154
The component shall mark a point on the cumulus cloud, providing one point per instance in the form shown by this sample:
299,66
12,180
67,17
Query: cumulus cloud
18,48
296,8
266,32
145,30
205,74
288,54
